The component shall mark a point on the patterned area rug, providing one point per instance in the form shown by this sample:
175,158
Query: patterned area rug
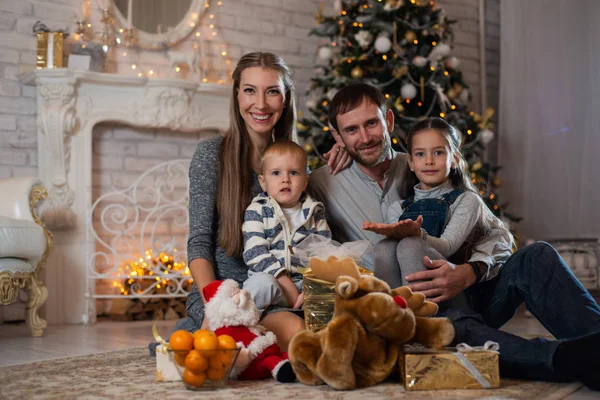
130,374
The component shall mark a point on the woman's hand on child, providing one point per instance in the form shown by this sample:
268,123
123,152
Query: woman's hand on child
337,159
299,302
444,280
398,230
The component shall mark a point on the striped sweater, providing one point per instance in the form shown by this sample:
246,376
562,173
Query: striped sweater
268,239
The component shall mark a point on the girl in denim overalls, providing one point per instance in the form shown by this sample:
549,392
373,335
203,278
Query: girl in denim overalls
438,193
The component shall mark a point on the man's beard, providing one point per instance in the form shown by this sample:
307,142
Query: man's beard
386,146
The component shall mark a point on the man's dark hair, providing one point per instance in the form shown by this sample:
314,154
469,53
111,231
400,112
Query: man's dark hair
352,96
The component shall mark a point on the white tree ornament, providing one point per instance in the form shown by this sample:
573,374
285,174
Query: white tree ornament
364,38
408,91
440,51
331,93
383,44
325,53
452,62
337,6
419,61
464,96
485,136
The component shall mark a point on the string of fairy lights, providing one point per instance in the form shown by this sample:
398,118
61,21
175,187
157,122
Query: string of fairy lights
113,34
152,269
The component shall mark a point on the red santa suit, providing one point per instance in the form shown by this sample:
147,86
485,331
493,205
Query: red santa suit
240,321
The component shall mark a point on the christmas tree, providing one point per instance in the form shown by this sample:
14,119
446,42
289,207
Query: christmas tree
403,48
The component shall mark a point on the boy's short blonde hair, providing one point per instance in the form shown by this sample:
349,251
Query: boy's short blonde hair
284,147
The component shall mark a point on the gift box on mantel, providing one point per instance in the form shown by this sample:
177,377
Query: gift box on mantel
463,367
319,299
50,47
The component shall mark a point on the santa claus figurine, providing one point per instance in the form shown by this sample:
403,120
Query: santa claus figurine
231,311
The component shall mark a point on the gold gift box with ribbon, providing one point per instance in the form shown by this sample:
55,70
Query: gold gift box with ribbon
50,46
463,367
49,50
319,299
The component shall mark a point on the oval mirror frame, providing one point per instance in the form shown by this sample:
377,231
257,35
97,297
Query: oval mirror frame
155,41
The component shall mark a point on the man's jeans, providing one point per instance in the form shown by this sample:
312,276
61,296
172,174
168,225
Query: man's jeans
539,277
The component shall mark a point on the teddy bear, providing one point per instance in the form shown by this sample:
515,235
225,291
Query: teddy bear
231,311
359,347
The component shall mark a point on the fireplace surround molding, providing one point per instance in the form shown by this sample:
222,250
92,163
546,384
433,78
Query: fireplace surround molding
69,104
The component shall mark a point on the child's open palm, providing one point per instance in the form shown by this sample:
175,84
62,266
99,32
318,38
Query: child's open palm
398,230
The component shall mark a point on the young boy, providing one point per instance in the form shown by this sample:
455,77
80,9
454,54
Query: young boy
275,222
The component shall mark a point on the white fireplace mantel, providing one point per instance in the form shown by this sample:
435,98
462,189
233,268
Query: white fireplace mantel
69,104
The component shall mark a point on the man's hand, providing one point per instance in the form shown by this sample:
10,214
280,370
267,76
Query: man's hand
444,280
399,230
299,302
337,159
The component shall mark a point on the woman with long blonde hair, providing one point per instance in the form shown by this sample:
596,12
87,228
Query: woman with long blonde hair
224,179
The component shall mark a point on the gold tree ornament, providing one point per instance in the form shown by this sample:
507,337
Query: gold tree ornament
319,17
357,73
395,46
457,88
393,4
485,119
308,147
301,127
399,72
398,104
410,36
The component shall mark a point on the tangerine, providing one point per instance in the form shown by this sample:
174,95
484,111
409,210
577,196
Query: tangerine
181,340
192,378
215,374
180,357
220,360
227,357
207,341
196,362
227,342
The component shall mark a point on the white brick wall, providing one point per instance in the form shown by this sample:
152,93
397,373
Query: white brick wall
281,26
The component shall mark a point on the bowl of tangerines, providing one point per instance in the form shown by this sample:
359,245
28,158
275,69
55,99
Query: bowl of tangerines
204,360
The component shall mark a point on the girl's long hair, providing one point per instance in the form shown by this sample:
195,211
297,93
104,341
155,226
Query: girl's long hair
459,176
234,189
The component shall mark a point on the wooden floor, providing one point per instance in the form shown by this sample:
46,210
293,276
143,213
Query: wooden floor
17,347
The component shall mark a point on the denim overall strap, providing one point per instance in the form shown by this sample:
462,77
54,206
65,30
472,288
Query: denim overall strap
434,211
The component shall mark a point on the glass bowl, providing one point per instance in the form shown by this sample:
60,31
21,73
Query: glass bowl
204,369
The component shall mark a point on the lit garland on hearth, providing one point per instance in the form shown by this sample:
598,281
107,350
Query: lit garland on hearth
147,267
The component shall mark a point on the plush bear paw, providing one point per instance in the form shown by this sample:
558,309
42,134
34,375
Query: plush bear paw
416,302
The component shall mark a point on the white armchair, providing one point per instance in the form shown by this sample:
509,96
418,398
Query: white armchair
24,246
